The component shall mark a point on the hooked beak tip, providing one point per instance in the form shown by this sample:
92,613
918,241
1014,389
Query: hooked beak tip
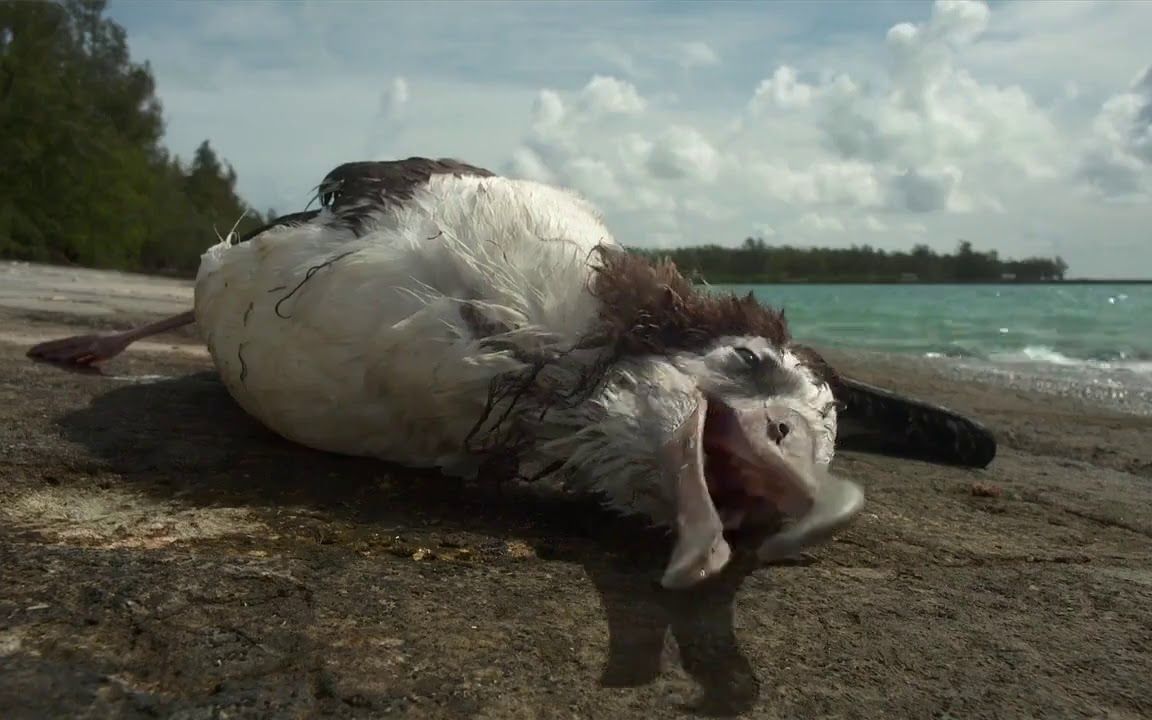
821,505
694,561
839,502
701,550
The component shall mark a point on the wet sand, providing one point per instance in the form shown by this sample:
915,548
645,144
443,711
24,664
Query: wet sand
163,554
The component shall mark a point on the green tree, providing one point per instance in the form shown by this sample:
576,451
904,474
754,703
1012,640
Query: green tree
84,179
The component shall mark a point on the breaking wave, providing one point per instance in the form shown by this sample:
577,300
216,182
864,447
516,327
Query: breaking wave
1043,355
1092,340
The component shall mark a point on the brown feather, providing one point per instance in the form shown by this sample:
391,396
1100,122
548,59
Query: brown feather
651,308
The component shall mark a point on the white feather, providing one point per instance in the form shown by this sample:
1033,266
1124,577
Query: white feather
373,357
357,345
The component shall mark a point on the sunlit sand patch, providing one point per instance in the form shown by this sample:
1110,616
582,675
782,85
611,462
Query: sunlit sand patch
115,518
11,641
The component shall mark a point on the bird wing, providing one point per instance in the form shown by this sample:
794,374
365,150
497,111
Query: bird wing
355,190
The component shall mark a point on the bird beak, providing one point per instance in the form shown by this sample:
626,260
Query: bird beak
700,550
838,502
781,469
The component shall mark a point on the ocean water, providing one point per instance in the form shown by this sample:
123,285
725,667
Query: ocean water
1092,341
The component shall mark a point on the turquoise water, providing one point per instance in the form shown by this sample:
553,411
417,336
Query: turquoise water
1088,337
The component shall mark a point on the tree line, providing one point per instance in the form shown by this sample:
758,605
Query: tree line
85,180
758,262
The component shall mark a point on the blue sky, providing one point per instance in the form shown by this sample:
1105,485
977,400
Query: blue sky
1023,126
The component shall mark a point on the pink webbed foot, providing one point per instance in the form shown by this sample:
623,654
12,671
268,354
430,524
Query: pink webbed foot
80,350
84,351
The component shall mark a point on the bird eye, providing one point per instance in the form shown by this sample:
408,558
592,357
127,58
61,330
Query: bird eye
751,359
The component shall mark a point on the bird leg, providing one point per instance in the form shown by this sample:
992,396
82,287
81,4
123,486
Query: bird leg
86,350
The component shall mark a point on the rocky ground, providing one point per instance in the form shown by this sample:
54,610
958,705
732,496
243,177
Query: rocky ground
163,555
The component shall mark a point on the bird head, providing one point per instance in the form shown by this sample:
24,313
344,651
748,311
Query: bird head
705,417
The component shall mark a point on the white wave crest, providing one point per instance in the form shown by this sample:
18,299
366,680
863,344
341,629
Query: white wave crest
1042,355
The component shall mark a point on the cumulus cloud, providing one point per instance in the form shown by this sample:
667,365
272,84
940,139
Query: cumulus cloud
1117,160
683,152
548,113
830,149
861,185
782,90
609,95
593,176
960,120
527,163
919,133
576,139
821,183
925,190
930,110
551,133
959,21
697,54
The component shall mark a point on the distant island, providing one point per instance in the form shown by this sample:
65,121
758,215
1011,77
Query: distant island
757,262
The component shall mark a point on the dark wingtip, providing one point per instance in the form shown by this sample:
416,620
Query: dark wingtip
881,420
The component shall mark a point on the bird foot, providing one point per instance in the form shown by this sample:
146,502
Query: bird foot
80,350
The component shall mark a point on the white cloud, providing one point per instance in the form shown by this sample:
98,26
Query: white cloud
609,95
705,208
960,21
823,183
389,122
928,190
396,96
782,90
682,152
930,111
1016,126
527,164
655,203
593,177
1117,160
815,223
547,113
698,54
1046,46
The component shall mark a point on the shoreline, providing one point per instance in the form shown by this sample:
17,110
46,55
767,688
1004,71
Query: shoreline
1128,395
179,278
113,300
963,283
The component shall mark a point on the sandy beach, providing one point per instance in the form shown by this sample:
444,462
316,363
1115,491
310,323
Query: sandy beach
161,554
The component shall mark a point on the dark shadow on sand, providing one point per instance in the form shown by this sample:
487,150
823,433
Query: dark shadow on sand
185,438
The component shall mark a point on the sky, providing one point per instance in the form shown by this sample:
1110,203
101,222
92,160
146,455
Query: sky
1023,127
